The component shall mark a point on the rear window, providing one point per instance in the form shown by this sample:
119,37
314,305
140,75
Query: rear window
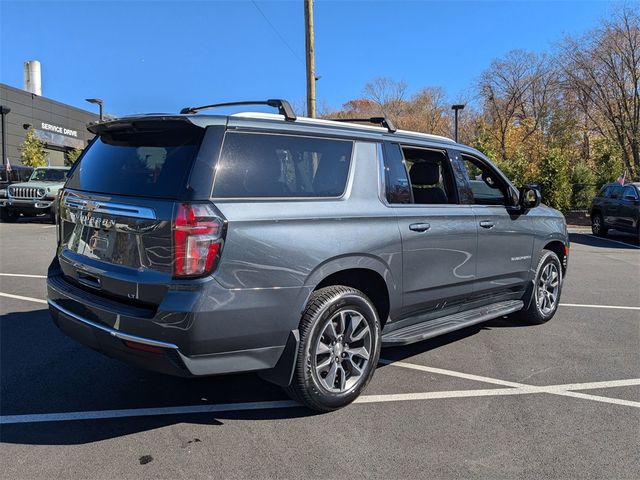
265,165
145,159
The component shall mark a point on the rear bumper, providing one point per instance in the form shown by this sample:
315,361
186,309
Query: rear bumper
124,332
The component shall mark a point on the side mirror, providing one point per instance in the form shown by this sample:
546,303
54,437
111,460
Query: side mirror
530,197
630,198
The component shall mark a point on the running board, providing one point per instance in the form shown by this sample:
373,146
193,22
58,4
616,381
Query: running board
440,326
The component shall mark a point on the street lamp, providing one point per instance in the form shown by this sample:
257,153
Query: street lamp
98,102
455,109
3,112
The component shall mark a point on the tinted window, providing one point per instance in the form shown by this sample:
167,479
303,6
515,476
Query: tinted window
430,175
615,192
259,165
629,191
48,175
486,186
16,174
397,181
152,159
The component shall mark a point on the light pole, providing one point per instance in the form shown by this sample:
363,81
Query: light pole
98,102
455,109
3,112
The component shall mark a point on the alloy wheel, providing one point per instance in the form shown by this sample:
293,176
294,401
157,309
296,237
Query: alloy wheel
342,351
548,288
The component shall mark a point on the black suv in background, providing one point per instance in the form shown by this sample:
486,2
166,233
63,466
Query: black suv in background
15,175
616,206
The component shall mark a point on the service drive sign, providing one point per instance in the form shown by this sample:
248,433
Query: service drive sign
57,129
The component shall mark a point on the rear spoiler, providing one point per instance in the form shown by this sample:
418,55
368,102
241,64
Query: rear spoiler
133,122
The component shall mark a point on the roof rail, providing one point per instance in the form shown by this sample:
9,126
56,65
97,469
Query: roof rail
284,108
383,121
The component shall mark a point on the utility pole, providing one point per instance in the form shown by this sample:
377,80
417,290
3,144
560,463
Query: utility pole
310,56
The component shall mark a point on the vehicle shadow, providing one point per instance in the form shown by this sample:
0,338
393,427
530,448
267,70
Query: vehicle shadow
632,242
42,371
398,354
40,219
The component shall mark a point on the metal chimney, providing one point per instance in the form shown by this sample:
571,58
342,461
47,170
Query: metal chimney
33,77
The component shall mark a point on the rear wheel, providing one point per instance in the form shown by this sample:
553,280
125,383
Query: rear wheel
597,225
339,348
546,290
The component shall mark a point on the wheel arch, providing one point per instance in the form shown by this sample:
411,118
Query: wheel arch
559,248
369,281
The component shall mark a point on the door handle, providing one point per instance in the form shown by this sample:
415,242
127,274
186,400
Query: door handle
419,227
487,224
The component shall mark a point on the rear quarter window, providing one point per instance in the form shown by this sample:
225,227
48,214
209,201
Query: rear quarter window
150,160
256,165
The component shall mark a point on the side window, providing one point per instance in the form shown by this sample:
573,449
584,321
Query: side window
396,179
605,192
430,175
616,192
629,191
265,165
486,186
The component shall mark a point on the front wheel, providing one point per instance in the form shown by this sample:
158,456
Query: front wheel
597,225
339,348
546,290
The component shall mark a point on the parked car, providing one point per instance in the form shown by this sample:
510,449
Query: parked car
616,207
35,196
199,244
16,174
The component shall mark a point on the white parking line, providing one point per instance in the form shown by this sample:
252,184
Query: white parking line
395,397
615,307
450,373
24,275
609,240
523,388
20,297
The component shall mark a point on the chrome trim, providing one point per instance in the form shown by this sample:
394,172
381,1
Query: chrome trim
26,193
110,208
111,331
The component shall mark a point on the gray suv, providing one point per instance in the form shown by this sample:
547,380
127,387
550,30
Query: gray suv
199,244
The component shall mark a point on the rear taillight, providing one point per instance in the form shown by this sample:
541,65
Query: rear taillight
197,236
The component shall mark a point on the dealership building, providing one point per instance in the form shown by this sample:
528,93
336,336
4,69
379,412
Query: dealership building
60,127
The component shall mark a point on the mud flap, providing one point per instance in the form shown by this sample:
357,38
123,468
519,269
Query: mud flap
282,373
528,295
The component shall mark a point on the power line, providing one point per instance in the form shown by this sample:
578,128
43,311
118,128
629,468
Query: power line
278,33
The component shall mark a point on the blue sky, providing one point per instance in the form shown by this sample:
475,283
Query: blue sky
144,56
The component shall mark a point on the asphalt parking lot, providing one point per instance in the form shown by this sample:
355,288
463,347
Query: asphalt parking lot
500,400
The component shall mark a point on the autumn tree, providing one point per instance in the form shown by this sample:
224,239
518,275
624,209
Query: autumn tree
427,111
388,95
603,68
518,92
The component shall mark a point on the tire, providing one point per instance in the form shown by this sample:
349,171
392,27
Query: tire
52,216
540,310
598,227
8,216
330,373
